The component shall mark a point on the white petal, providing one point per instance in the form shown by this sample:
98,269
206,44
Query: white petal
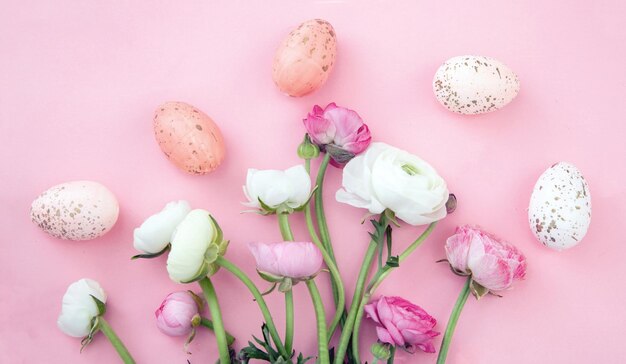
300,183
189,244
156,232
79,308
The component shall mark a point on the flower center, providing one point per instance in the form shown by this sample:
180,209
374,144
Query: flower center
410,169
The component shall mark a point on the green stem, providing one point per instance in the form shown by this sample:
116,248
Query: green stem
356,298
216,315
454,317
267,316
289,319
285,230
378,278
392,350
321,220
319,206
322,335
230,339
382,274
336,281
115,340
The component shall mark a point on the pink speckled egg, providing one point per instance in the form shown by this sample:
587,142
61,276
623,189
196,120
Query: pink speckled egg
305,58
78,210
188,137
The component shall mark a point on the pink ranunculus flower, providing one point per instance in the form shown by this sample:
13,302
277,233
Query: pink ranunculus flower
403,324
295,260
493,264
338,131
179,313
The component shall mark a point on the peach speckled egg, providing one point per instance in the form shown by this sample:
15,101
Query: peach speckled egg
305,58
79,210
188,137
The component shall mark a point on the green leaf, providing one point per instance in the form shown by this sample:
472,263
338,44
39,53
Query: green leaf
265,207
285,285
478,290
102,308
151,255
219,235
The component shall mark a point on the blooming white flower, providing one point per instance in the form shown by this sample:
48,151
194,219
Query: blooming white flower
195,245
275,188
156,231
385,177
79,308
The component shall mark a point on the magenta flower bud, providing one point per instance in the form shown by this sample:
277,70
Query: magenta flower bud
403,324
492,263
179,313
295,260
338,131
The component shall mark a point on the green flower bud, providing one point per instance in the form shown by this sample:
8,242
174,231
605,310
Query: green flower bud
308,150
381,351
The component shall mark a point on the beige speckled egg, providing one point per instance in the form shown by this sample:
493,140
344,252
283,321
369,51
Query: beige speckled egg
560,207
78,210
474,85
188,137
305,58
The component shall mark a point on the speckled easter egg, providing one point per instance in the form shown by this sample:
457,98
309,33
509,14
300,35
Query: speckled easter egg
474,85
560,207
305,58
188,137
78,210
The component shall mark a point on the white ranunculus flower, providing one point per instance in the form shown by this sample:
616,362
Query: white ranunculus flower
156,232
291,187
190,242
385,177
79,308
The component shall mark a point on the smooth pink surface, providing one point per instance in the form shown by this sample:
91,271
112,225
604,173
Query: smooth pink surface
79,81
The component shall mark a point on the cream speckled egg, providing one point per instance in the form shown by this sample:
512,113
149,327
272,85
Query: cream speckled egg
305,58
560,207
474,84
188,137
78,210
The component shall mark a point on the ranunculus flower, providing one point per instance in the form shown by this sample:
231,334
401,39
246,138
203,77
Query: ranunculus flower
79,309
338,131
156,231
385,177
179,313
492,263
294,260
196,244
271,189
403,324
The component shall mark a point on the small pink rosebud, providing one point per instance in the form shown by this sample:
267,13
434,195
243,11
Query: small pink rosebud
403,324
338,131
492,263
176,313
295,260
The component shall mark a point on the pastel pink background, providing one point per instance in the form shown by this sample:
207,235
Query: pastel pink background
79,81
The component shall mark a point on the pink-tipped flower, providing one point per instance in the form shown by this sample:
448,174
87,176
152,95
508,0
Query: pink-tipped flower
294,261
179,313
338,131
492,263
402,324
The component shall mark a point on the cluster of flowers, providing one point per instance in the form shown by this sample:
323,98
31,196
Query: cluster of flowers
390,183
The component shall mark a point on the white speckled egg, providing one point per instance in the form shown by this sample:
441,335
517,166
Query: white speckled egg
560,207
474,85
78,210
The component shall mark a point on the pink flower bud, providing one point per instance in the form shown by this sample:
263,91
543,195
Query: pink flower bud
338,131
295,260
403,324
492,263
176,313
